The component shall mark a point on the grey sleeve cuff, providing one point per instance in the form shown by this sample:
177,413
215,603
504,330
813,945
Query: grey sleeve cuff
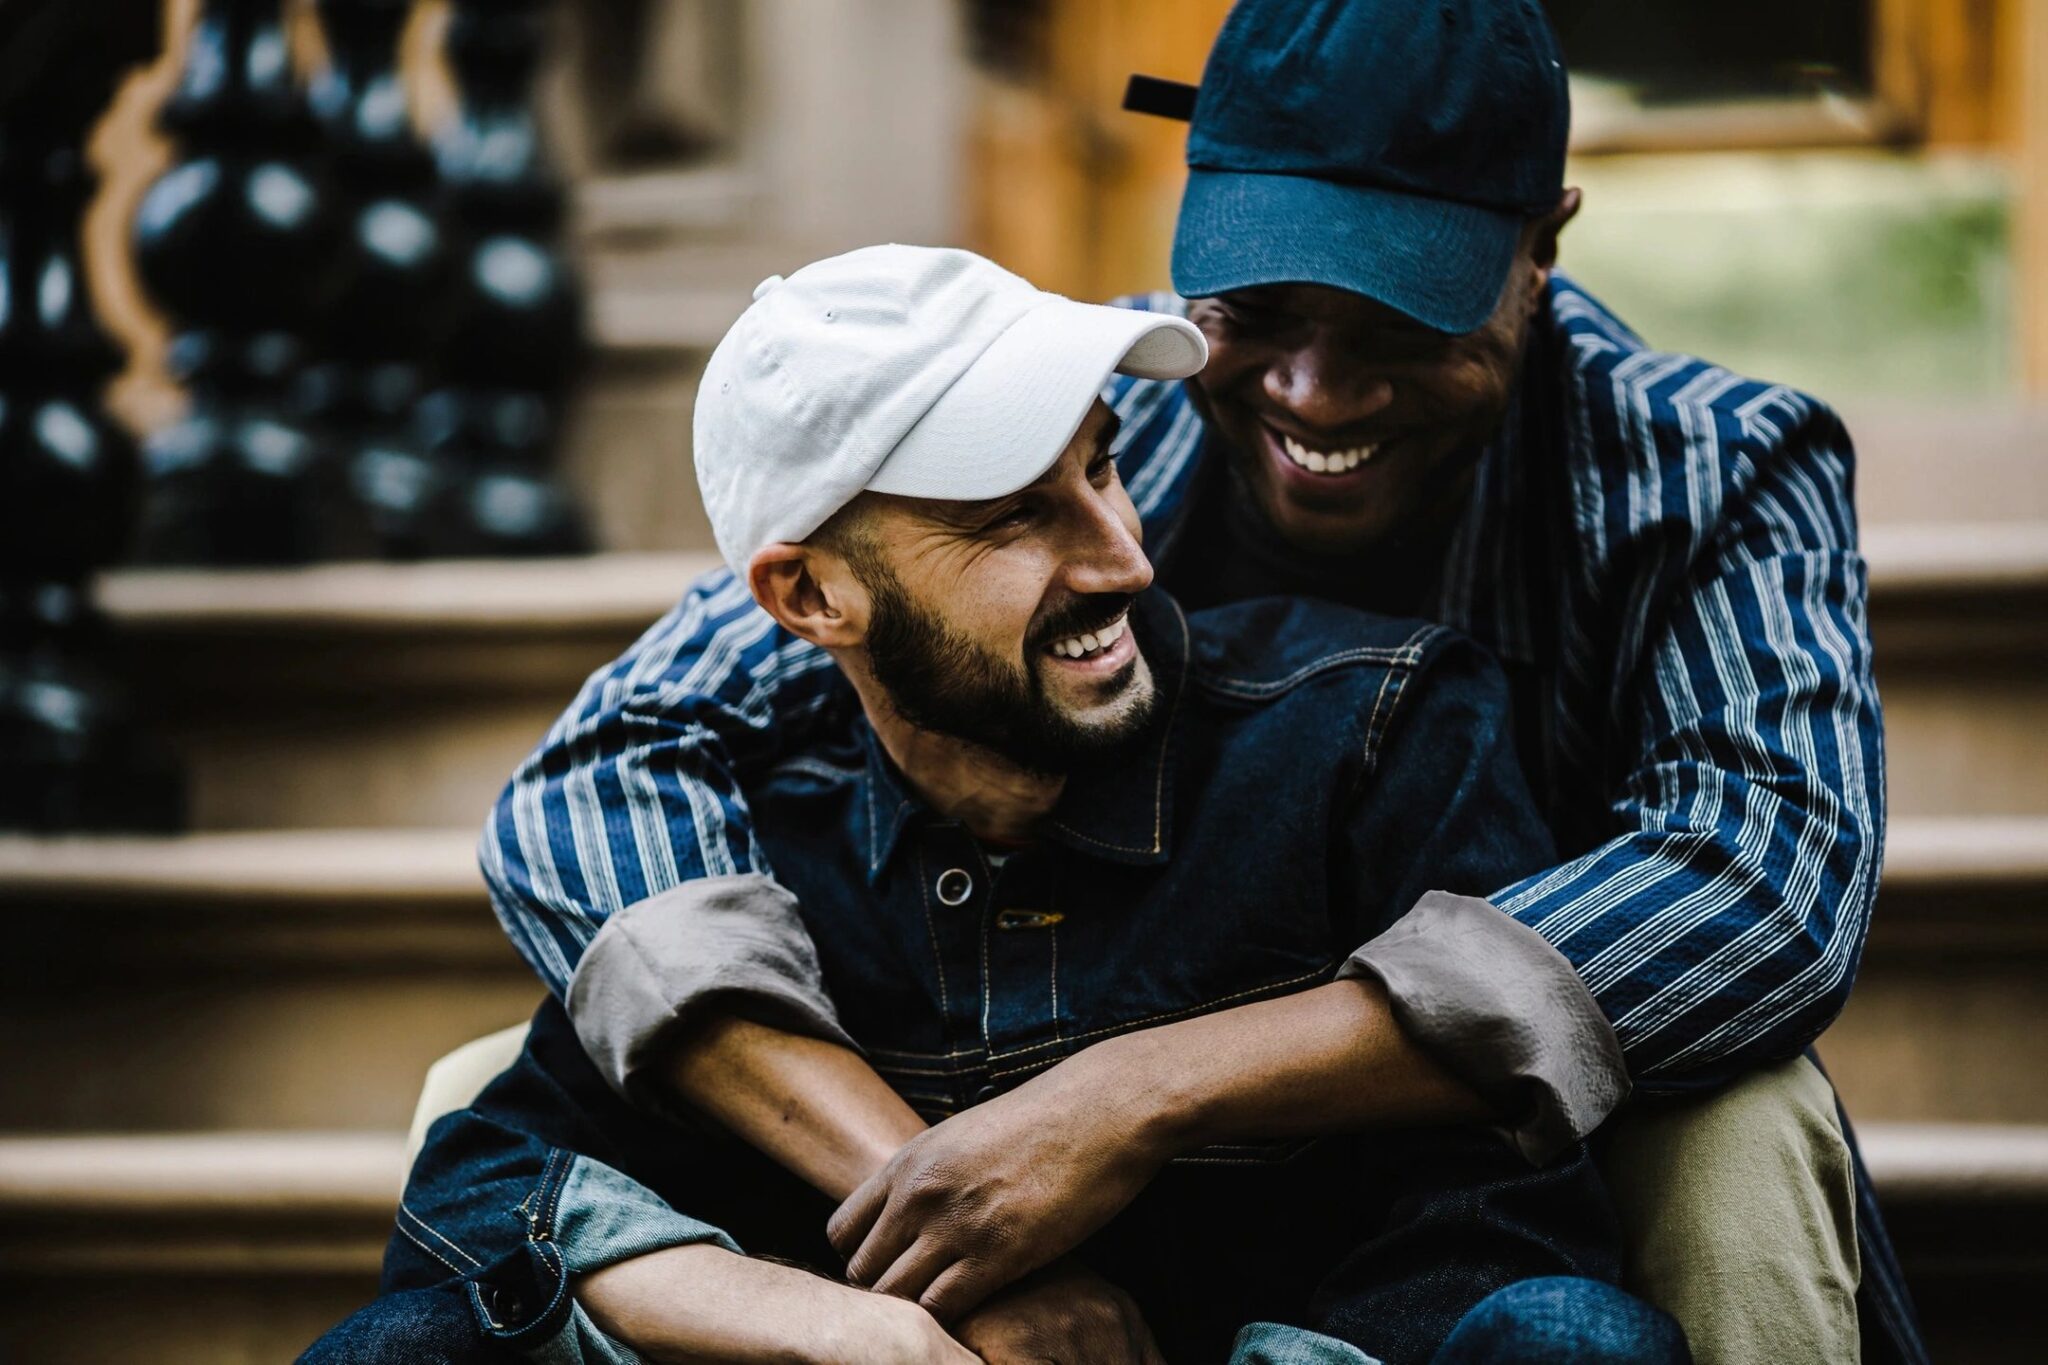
1504,1011
737,942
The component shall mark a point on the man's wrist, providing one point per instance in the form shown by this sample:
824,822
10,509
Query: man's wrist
1163,1113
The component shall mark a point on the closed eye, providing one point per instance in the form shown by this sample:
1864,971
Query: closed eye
1022,514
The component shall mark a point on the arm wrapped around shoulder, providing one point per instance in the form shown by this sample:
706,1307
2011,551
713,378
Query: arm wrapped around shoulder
1503,1011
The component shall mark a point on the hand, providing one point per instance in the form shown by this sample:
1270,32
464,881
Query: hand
993,1193
1065,1314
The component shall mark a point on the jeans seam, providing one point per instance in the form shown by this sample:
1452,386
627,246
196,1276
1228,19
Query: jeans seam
407,1233
1148,1019
969,1059
546,1227
931,930
1398,656
443,1238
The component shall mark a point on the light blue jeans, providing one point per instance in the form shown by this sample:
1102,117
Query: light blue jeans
1560,1320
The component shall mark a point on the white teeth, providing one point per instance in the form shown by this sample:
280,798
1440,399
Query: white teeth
1326,461
1079,646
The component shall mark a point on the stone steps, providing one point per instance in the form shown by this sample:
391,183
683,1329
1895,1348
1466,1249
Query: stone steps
240,980
271,979
375,695
243,1246
1949,1017
230,1248
305,978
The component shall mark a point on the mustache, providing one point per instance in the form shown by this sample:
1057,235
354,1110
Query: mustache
1081,616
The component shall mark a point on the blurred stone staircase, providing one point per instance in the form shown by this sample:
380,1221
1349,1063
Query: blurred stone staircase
213,1042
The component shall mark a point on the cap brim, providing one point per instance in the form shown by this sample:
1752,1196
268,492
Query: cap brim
1442,263
1008,417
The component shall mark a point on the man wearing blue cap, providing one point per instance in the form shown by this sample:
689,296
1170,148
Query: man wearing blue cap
1406,408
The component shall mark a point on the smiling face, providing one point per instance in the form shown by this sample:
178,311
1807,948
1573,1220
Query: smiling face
1005,623
1351,424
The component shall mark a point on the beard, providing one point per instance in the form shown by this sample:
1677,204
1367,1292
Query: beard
941,681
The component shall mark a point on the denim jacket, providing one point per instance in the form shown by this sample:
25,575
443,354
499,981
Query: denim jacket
1312,780
1311,776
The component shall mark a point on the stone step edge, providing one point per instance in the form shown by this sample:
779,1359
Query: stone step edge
595,594
616,592
363,868
305,1203
415,867
360,1173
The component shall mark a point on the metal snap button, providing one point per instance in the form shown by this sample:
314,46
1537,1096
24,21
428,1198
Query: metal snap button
507,1307
986,1093
954,886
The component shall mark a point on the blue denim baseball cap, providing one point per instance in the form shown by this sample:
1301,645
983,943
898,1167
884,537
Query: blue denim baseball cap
1393,148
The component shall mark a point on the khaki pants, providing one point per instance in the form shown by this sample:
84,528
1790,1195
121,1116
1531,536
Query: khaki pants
1739,1210
1738,1206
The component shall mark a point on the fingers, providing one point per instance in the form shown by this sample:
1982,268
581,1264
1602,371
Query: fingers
891,1236
908,1276
848,1226
958,1289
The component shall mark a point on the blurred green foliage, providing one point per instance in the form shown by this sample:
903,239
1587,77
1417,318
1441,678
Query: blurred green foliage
1847,274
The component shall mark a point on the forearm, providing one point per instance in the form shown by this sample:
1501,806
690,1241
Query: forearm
813,1106
703,1303
1327,1060
1005,1187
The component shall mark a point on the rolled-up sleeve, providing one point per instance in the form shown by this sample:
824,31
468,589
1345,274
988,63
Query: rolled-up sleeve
621,858
1441,816
737,942
1505,1012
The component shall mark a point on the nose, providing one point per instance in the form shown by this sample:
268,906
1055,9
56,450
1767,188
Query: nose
1106,555
1322,390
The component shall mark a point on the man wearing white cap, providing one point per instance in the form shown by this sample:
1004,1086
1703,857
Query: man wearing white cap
1116,881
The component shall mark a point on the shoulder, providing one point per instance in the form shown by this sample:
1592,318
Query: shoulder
715,652
1631,392
1661,434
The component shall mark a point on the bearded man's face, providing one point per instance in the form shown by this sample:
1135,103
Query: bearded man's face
1006,623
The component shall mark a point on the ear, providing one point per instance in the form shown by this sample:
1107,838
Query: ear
1543,233
811,592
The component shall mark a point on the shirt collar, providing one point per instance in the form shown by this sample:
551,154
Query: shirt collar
1118,810
886,805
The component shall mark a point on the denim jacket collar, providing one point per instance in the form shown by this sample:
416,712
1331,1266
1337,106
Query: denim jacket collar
1118,810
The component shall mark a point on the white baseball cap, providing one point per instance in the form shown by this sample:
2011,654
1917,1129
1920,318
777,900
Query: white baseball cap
923,371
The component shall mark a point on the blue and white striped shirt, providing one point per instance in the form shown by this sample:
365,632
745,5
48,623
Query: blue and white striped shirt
1662,554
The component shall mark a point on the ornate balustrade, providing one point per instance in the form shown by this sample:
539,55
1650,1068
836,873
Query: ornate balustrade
374,329
376,336
71,756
